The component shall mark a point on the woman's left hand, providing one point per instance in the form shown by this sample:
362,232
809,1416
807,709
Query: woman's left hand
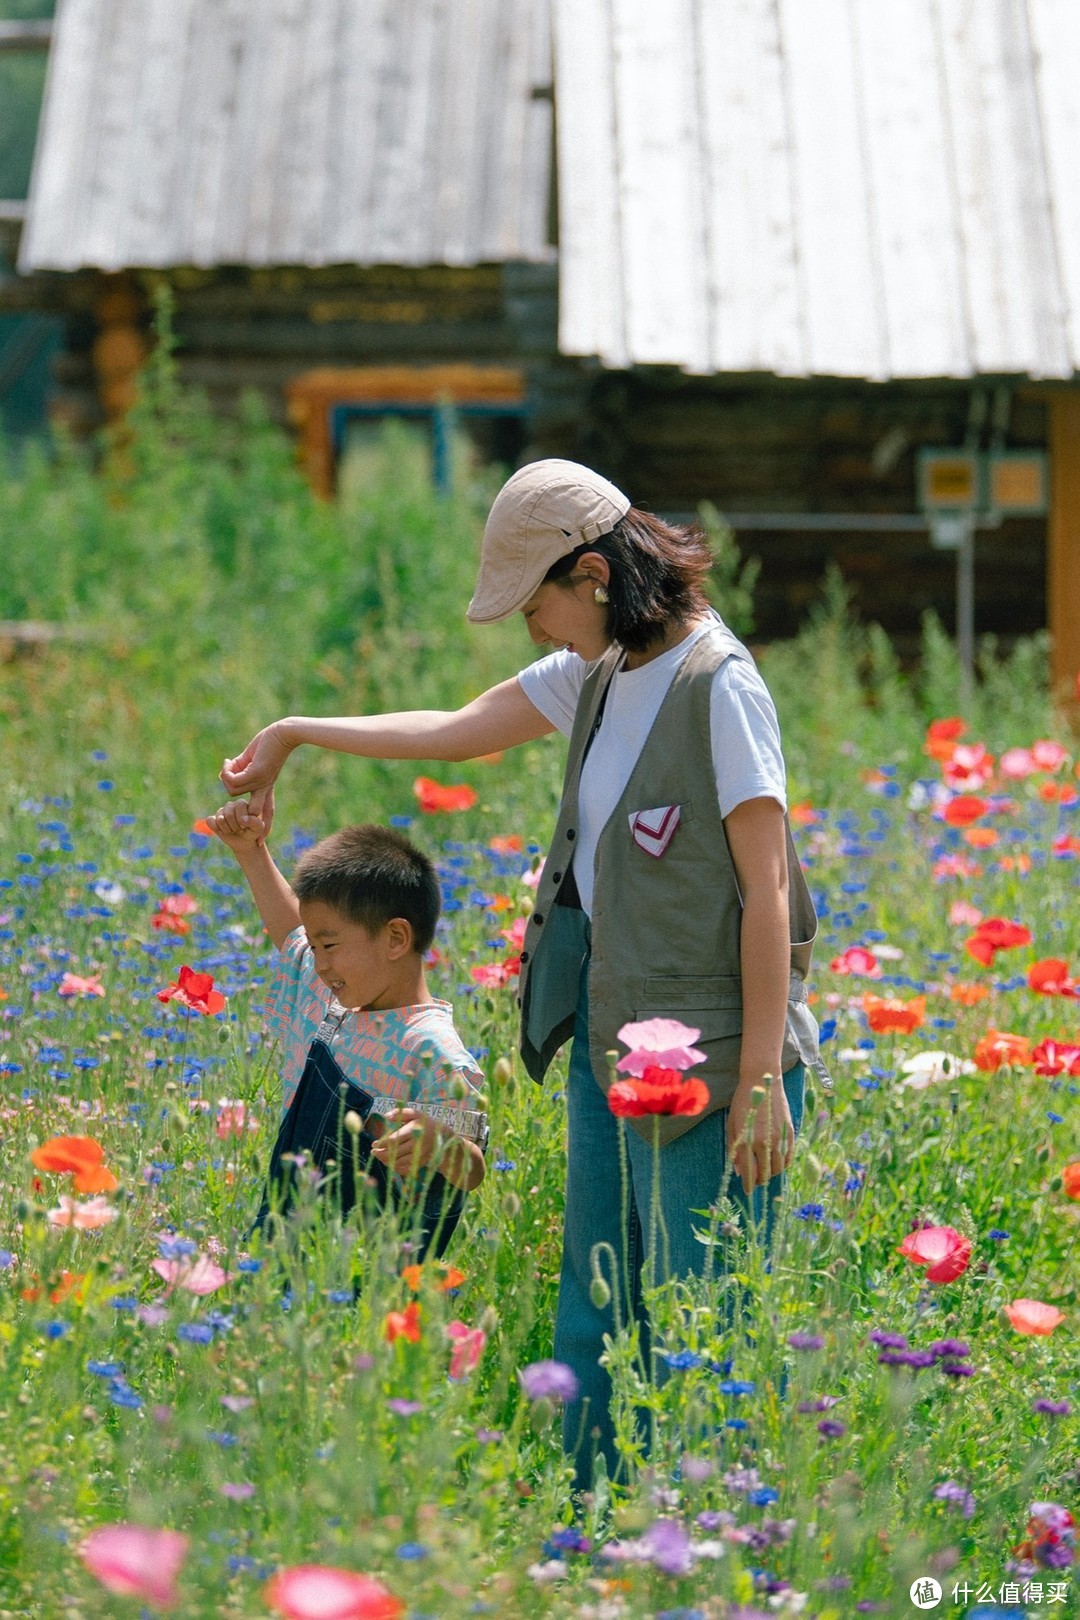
760,1134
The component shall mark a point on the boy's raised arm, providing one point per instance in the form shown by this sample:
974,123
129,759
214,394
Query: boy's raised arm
272,895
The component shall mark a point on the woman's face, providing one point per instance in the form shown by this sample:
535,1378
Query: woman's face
566,614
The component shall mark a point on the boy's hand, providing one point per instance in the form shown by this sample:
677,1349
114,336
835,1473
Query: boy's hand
237,827
414,1143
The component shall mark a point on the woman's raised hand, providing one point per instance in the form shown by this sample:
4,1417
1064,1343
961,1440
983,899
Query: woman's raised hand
255,770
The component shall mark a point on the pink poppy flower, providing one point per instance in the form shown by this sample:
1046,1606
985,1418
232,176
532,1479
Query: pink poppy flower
196,1274
87,1217
468,1348
1048,755
134,1560
658,1043
964,915
1032,1317
944,1251
72,985
857,960
1017,763
232,1120
318,1592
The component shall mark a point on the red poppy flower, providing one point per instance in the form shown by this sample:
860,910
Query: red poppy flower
434,796
1052,1057
194,990
995,934
78,1156
657,1091
944,1251
999,1048
889,1015
1050,977
964,809
968,995
1070,1180
506,844
319,1592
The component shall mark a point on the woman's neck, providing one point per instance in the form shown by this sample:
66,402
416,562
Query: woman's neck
676,632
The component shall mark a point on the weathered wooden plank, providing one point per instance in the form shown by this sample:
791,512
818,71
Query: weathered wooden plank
754,295
366,39
844,318
302,168
1055,32
1001,195
403,130
68,104
661,201
905,122
145,211
591,317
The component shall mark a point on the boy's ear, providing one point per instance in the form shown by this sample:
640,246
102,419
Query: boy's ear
399,938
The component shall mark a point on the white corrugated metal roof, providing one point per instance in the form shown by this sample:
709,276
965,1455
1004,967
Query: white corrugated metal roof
863,188
206,132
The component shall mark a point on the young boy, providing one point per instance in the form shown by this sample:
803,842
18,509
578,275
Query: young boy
375,1076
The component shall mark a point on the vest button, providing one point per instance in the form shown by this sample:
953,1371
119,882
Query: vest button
570,832
556,877
524,957
537,919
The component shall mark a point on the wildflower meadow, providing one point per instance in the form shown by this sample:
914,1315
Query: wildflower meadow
201,1421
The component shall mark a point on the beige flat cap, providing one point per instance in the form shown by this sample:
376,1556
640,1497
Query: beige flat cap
548,508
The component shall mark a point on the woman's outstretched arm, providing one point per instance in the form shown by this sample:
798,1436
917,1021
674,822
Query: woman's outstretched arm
499,718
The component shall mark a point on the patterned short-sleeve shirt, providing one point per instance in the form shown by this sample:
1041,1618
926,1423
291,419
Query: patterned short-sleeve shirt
410,1054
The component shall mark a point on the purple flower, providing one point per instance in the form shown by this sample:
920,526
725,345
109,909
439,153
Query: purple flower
1053,1408
237,1403
404,1408
489,1437
715,1519
888,1341
950,1347
956,1494
832,1428
821,1404
152,1315
551,1379
957,1369
806,1341
666,1544
239,1492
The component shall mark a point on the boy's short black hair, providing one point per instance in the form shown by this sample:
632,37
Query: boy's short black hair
370,874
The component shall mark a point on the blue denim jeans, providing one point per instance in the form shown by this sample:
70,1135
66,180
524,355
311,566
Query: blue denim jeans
692,1177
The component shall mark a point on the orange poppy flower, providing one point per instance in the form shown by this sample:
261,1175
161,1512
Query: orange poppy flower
1015,863
803,814
968,994
452,1278
506,844
433,797
1032,1316
998,1048
403,1324
203,828
942,737
980,837
1070,1180
890,1015
78,1156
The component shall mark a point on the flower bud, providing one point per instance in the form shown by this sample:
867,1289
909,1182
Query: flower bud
489,1320
599,1292
353,1123
503,1071
511,1205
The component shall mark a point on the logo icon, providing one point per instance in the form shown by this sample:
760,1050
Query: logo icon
925,1593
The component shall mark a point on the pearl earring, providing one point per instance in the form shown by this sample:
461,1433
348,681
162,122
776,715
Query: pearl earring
600,596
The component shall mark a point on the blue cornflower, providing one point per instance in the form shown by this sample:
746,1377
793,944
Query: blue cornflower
736,1386
810,1212
997,1234
249,1265
122,1394
764,1496
106,1369
55,1330
411,1551
681,1360
195,1332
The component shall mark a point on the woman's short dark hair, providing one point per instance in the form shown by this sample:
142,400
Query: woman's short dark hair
371,874
658,573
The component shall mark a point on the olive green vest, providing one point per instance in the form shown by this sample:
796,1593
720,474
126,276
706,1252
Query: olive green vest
664,931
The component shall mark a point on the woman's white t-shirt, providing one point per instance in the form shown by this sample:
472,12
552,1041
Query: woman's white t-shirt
747,760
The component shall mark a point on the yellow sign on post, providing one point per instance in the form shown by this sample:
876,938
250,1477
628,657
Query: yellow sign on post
948,480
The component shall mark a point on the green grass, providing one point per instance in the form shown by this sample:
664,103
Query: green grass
215,595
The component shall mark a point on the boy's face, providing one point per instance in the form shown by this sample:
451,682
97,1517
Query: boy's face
361,968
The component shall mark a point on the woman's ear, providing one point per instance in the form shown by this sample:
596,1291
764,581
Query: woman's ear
399,938
595,567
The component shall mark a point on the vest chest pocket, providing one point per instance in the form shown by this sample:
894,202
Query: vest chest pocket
711,1004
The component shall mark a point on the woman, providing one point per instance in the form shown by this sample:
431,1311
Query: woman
670,889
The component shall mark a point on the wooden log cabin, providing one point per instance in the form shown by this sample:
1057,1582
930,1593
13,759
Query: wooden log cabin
766,255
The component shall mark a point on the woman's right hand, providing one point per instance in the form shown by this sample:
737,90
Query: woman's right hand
255,770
